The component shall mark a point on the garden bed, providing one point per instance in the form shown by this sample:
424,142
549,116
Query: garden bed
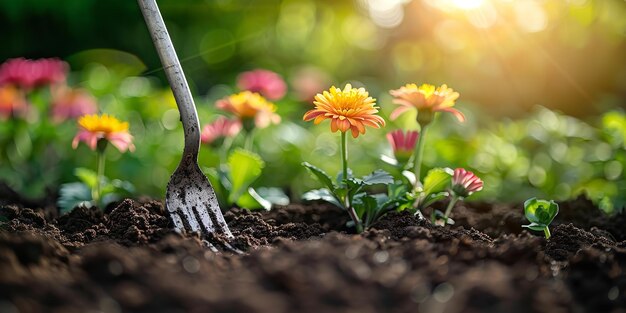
302,259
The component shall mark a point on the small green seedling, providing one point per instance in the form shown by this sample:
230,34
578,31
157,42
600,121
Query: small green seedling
540,214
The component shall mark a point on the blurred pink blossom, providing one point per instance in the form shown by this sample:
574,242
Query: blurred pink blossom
222,127
30,73
267,83
308,81
12,102
464,183
403,144
68,103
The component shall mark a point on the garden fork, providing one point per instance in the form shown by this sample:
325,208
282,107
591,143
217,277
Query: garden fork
190,198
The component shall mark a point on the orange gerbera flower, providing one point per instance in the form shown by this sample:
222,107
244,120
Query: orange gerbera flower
427,99
12,102
248,105
348,109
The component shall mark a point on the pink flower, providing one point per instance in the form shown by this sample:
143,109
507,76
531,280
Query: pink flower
403,144
308,81
464,183
267,83
222,127
12,102
94,128
70,103
30,73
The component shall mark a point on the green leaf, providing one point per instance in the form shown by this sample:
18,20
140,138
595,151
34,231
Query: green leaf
251,200
72,195
354,187
115,191
320,175
540,211
437,180
245,167
123,186
378,177
535,226
273,195
323,194
432,198
396,190
87,176
365,205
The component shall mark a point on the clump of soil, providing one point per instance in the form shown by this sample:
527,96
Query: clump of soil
301,258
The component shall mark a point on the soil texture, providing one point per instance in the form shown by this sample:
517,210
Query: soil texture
302,258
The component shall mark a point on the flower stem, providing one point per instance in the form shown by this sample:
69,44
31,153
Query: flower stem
249,143
449,208
546,231
223,150
344,162
344,157
419,154
99,176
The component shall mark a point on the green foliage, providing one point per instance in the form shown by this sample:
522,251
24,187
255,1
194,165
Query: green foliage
437,180
547,154
244,167
232,182
320,175
76,194
368,207
540,214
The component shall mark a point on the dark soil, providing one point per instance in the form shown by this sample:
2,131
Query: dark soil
303,259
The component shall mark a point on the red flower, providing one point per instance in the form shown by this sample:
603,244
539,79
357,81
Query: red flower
267,83
403,144
222,127
30,73
464,183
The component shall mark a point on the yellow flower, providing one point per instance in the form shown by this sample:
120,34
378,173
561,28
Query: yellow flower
248,105
427,99
348,109
95,127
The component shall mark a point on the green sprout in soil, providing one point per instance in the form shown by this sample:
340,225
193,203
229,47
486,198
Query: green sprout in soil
540,214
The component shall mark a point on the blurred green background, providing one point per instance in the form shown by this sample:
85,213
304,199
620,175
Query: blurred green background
542,82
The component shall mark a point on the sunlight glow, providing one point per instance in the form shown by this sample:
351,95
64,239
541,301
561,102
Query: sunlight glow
467,4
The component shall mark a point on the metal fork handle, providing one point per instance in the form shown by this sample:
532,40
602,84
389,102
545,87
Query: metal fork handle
175,76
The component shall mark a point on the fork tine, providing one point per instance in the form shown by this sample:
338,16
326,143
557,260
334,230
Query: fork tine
206,220
178,222
191,219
